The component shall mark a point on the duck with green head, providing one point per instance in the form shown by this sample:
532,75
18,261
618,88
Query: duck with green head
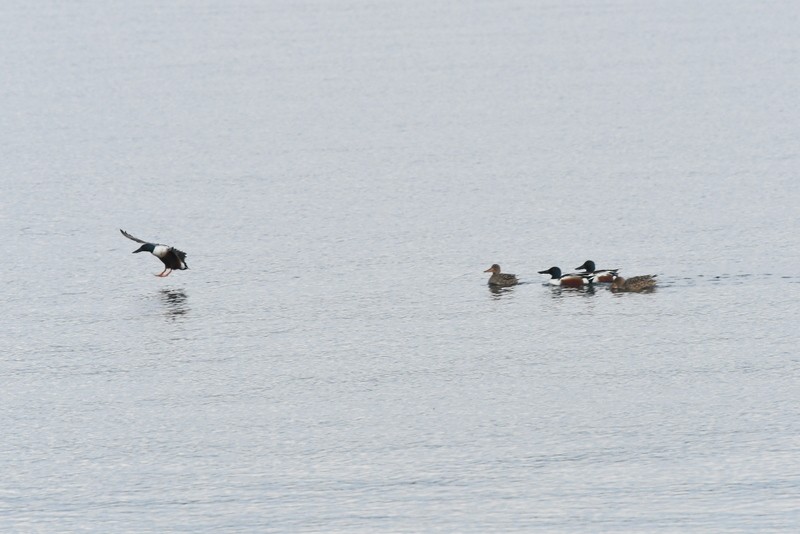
171,257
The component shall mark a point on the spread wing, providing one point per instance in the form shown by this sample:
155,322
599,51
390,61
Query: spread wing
129,236
175,259
179,253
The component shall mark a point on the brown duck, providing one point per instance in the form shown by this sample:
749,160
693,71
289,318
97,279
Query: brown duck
634,284
500,279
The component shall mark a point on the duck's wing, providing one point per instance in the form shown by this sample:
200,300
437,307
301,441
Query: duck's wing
129,236
638,283
588,276
181,255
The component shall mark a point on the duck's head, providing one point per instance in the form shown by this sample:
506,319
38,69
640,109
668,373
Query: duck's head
588,266
554,272
147,247
618,283
494,269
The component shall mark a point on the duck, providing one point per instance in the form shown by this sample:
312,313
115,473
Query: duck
499,278
171,257
598,275
567,280
634,283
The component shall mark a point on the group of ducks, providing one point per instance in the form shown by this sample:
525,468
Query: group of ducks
172,258
589,275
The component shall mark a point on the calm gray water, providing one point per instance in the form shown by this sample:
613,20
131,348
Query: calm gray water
340,174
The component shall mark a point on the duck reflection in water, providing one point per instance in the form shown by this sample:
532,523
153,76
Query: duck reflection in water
499,292
560,292
175,301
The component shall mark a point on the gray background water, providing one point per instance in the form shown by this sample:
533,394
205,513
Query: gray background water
340,174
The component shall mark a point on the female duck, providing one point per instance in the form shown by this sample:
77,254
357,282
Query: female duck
634,284
500,279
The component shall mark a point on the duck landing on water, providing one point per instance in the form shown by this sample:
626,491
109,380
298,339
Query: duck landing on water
634,284
500,279
171,257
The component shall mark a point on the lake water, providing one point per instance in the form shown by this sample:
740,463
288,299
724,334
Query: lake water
340,175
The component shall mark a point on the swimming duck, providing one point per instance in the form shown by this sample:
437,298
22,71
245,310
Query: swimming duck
500,279
171,257
598,275
634,283
567,280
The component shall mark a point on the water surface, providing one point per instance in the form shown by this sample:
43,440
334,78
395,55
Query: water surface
340,175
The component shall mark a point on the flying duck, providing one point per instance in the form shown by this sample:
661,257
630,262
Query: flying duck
567,280
634,283
500,279
598,275
171,257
